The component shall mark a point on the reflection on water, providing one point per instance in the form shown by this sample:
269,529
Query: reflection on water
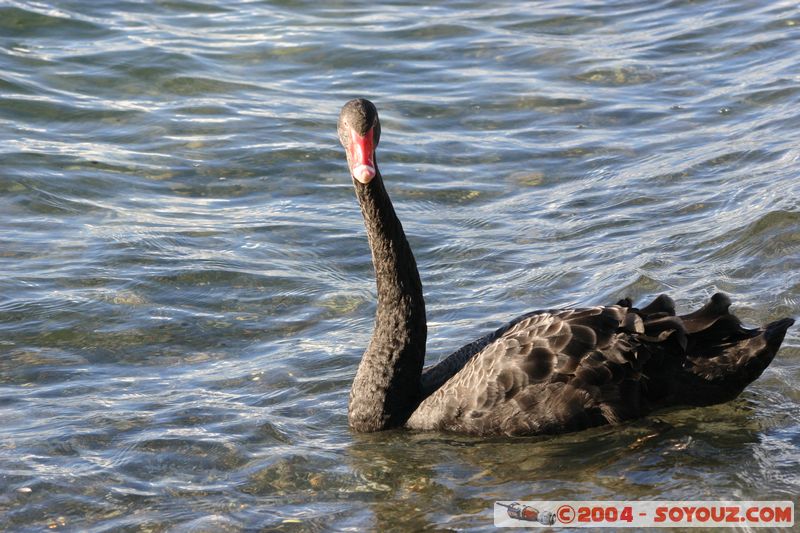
186,288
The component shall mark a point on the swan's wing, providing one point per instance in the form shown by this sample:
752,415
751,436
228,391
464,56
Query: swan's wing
526,368
558,371
434,376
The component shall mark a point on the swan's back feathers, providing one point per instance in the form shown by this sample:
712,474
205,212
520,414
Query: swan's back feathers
562,370
435,376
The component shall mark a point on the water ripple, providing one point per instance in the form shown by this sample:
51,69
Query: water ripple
186,289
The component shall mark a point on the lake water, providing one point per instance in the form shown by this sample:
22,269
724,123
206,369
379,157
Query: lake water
186,287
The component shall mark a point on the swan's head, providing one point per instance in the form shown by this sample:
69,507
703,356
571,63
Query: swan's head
359,133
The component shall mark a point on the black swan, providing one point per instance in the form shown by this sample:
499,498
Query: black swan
545,372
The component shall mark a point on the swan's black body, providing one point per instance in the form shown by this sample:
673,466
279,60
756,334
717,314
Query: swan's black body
545,372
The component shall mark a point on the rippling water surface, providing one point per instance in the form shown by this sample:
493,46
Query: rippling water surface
186,288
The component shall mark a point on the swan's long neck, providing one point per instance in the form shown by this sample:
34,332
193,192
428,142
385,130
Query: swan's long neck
386,388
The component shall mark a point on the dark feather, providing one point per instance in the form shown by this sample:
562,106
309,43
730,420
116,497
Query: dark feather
557,371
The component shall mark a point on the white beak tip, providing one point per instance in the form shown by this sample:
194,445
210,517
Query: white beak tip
363,173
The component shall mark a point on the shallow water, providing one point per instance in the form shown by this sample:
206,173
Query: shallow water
186,288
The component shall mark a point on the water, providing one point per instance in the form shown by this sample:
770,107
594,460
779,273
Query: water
186,288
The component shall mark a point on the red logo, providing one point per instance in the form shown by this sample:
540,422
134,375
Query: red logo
565,514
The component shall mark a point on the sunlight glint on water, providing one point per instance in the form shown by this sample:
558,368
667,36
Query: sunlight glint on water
186,287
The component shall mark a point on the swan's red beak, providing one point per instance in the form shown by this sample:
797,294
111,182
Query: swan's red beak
362,156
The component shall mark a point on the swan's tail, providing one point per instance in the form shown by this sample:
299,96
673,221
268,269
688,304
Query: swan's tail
718,369
705,357
763,349
776,331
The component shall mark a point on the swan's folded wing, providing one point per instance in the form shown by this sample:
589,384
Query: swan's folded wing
559,371
520,381
434,376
